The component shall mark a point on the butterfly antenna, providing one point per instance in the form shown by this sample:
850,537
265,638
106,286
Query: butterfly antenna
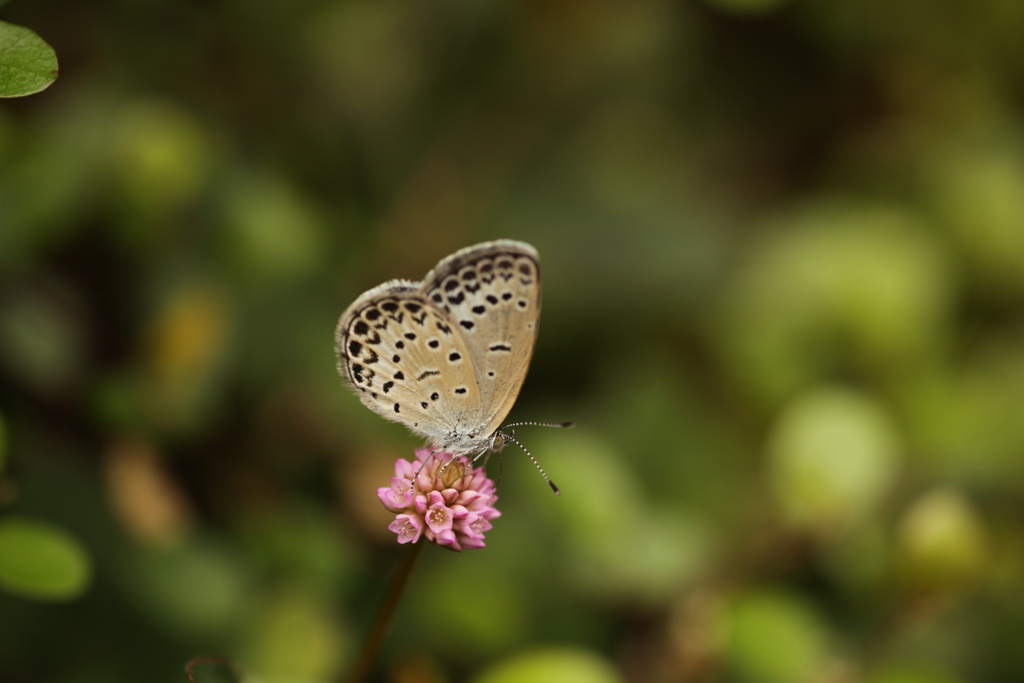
530,455
542,424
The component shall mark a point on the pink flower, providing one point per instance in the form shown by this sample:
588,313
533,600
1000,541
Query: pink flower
398,497
408,528
452,509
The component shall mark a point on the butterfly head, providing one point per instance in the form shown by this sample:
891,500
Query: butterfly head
498,441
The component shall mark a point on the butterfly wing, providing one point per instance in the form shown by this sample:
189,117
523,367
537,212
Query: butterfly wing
491,293
400,354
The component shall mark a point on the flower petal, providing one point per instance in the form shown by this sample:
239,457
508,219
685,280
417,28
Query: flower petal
420,504
393,501
405,469
448,538
408,528
439,518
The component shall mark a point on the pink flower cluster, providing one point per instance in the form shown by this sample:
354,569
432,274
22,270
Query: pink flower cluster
452,509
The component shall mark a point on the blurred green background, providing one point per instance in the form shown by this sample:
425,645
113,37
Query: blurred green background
783,249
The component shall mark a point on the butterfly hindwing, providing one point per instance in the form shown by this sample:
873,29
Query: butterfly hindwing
400,355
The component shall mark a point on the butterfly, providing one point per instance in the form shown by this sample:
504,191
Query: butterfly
446,357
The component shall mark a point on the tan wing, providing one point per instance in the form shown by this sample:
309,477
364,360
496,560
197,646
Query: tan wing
400,354
491,291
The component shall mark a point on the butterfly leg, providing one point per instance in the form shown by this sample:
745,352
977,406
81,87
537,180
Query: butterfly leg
424,464
476,457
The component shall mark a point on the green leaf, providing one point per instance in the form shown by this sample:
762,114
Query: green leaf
776,637
41,561
552,665
27,63
833,456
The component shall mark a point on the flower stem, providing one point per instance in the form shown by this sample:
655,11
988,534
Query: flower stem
375,638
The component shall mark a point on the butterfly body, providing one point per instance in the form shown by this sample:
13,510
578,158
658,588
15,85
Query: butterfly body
447,356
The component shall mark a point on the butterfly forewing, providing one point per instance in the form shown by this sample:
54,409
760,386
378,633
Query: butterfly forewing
448,356
492,292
